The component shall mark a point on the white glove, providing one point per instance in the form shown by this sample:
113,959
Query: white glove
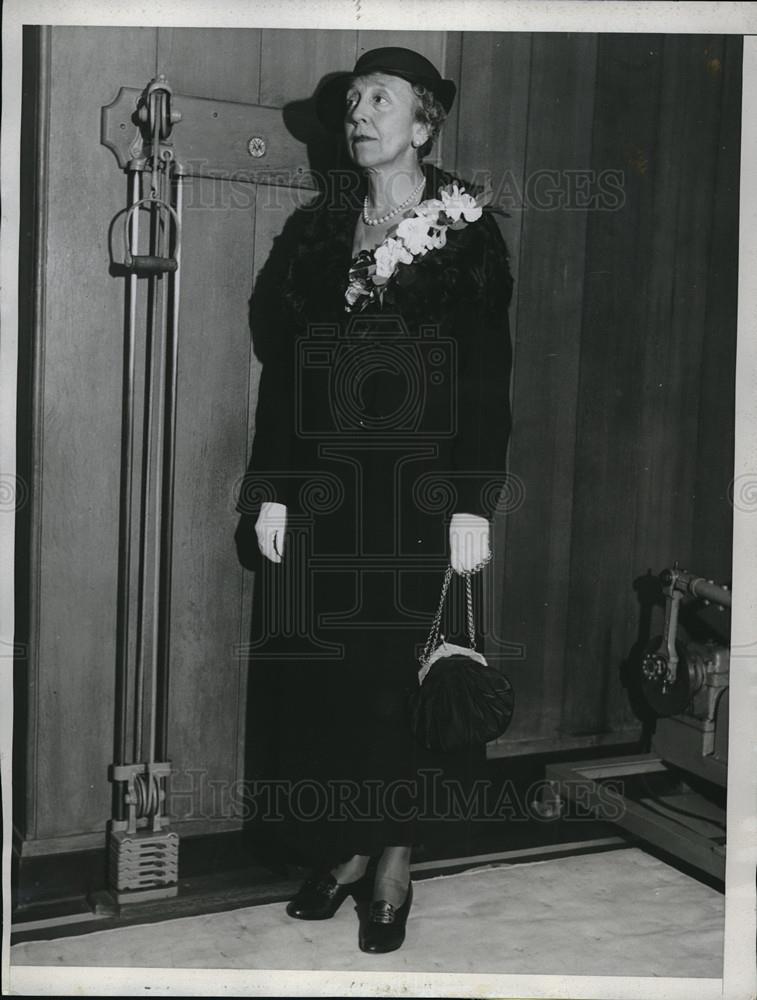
269,528
468,542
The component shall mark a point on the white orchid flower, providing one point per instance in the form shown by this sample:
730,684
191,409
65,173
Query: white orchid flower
457,202
414,234
429,209
391,252
437,237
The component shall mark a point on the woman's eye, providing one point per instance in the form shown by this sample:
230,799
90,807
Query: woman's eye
353,99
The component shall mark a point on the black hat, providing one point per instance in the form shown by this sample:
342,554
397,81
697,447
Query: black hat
411,66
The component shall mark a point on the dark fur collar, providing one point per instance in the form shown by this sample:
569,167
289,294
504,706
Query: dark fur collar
319,251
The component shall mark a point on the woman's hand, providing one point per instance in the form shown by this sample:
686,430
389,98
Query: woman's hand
269,528
468,542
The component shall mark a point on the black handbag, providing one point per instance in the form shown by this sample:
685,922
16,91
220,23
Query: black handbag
461,700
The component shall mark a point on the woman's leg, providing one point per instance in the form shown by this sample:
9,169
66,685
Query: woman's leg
393,875
352,869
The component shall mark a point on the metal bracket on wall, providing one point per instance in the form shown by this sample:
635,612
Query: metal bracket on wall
227,140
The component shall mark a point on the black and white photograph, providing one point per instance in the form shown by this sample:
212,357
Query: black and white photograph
378,496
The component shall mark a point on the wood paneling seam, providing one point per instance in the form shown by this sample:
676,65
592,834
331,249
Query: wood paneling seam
583,312
41,203
521,240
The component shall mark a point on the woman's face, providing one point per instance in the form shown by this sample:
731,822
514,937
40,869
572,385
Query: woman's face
380,122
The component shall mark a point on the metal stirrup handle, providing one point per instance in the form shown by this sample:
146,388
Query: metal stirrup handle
150,264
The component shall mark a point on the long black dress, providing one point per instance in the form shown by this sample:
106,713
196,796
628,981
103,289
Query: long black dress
373,429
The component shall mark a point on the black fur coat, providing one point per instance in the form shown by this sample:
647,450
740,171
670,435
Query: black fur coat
373,428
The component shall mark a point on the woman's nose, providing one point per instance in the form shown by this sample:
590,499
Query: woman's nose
357,112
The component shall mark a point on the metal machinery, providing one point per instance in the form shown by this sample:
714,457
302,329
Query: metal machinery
143,857
685,685
222,140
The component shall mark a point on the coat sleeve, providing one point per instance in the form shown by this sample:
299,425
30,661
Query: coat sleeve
269,471
482,335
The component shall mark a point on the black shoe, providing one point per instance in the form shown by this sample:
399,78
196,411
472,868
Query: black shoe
320,896
384,928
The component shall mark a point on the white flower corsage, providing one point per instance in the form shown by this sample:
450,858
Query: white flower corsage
414,236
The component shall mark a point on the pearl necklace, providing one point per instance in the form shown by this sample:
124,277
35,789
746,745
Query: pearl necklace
394,211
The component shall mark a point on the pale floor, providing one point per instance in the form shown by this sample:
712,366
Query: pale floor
619,913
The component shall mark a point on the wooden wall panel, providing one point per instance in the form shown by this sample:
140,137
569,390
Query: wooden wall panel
445,153
32,236
430,44
547,350
612,463
211,62
637,457
683,179
207,677
494,89
712,527
307,55
71,732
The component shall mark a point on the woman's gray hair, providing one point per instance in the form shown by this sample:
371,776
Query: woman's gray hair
430,112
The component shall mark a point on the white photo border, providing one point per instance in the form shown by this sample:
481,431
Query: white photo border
739,980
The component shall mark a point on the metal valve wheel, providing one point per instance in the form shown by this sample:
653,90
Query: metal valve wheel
664,697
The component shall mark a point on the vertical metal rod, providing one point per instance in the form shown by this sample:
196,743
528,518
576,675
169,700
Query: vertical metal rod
169,473
124,568
153,346
160,449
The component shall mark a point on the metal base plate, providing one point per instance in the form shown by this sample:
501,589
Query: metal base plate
112,902
695,836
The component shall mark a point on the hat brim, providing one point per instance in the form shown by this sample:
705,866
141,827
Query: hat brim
331,97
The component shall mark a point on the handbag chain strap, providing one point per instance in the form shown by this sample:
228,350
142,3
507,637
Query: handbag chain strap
469,611
433,636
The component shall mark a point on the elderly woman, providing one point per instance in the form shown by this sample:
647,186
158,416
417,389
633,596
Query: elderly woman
380,443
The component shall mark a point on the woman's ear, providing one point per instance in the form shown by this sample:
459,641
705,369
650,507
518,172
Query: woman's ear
420,134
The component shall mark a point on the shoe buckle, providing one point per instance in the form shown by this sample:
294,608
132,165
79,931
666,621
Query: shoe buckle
327,887
382,913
